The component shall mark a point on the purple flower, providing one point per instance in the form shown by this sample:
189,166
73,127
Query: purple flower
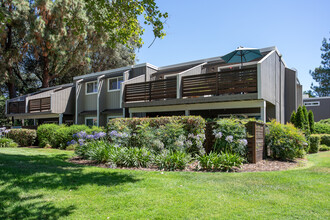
7,131
113,133
229,138
99,135
81,142
90,136
218,135
72,142
243,142
82,134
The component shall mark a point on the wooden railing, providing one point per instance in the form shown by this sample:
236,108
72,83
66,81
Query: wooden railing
152,90
220,83
39,105
16,107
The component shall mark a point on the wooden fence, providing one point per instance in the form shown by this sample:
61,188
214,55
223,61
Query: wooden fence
152,90
39,105
220,83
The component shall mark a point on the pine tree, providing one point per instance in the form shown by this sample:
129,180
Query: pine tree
306,123
299,119
311,121
293,118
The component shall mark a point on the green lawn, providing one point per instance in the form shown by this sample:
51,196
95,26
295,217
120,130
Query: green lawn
40,184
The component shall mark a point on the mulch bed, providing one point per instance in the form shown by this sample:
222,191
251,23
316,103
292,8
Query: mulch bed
261,166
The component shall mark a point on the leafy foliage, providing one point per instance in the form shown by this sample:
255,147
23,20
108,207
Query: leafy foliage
321,74
230,137
170,160
7,142
311,121
286,142
222,161
321,128
314,143
24,137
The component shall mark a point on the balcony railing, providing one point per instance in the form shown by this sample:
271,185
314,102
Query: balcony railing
39,105
16,107
210,84
152,90
220,83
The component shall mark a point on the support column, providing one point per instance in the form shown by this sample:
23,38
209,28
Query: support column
34,122
78,88
99,88
60,119
131,115
187,112
263,112
22,122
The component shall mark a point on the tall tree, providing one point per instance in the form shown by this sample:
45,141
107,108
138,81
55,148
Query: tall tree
321,74
13,44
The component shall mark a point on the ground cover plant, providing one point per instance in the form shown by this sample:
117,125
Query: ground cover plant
49,187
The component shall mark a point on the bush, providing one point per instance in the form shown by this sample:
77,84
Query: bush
24,137
6,142
222,161
131,157
314,143
46,133
311,121
325,139
321,128
170,160
175,133
325,121
324,147
286,142
58,136
230,136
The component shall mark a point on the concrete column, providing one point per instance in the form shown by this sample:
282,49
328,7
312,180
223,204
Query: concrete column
60,119
131,115
78,88
178,86
34,122
263,112
99,89
187,112
22,122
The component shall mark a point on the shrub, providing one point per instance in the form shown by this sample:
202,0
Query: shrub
325,121
314,143
45,133
170,160
98,151
172,133
24,137
6,142
321,128
63,135
222,161
324,147
293,118
131,157
311,121
300,118
230,136
286,142
325,139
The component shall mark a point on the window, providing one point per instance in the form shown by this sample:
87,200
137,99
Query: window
315,103
91,121
114,84
91,87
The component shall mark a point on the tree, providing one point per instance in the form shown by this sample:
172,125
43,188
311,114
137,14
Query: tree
321,74
293,118
13,44
299,119
306,123
311,121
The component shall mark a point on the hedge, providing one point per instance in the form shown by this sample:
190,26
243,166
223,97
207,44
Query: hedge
58,136
321,128
23,137
174,133
314,143
325,139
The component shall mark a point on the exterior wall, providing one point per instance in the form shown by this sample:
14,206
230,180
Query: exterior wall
290,93
62,101
299,95
322,111
271,83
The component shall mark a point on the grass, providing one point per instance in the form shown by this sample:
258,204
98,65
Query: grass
40,184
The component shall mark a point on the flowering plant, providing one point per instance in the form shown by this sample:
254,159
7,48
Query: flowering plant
82,137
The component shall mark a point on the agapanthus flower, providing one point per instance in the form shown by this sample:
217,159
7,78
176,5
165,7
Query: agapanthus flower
72,142
218,135
82,134
243,142
113,133
229,138
89,136
81,142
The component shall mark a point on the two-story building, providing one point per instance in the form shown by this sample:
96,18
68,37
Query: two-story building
264,88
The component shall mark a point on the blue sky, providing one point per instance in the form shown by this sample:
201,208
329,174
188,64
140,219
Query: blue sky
199,29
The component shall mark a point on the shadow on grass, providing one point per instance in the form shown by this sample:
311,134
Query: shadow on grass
21,173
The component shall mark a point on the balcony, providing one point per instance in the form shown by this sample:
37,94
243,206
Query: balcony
16,107
231,82
39,105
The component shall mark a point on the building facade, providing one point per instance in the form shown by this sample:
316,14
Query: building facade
264,88
320,107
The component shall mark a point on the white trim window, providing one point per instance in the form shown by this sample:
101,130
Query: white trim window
91,87
314,103
114,83
91,121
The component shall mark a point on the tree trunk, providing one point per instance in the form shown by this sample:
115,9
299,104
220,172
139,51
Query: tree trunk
11,89
45,74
